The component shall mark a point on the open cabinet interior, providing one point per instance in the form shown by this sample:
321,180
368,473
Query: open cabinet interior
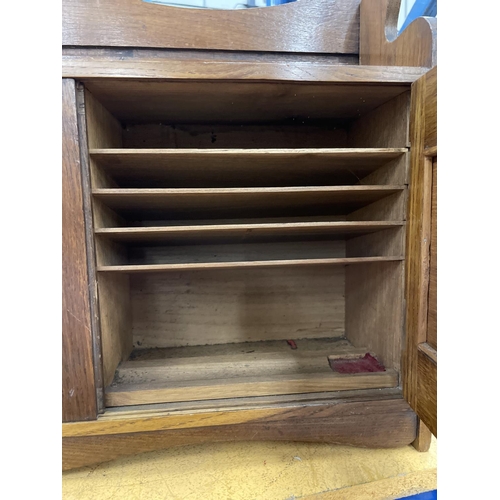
249,237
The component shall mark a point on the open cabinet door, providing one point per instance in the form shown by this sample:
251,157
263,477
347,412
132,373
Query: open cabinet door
420,357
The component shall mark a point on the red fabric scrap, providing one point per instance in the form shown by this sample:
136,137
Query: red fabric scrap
365,364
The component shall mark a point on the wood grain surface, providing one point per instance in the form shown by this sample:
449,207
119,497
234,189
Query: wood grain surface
418,377
239,101
432,308
78,386
384,423
380,44
217,306
325,26
427,390
142,64
242,167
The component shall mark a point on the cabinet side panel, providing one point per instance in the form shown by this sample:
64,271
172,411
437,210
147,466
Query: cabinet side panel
78,386
374,309
384,127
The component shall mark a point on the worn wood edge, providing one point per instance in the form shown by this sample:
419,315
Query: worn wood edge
78,379
90,249
167,69
144,268
356,188
355,152
255,402
418,236
379,41
210,228
382,423
131,394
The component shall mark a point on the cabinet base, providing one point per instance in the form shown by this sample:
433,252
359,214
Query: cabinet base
373,424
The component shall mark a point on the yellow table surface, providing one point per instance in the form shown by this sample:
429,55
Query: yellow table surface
268,470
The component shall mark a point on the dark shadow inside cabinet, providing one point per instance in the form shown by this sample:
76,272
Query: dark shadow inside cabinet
247,237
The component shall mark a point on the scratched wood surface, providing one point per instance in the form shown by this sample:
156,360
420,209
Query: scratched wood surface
78,387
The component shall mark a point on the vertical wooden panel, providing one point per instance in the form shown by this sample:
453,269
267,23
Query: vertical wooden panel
78,387
374,309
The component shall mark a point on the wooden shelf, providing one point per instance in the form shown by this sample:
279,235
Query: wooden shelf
243,231
237,370
199,266
241,167
221,200
245,102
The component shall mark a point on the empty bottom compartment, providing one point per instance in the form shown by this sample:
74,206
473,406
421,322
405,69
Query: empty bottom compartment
237,370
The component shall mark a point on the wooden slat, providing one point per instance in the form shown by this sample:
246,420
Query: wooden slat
220,200
138,413
150,268
241,167
247,231
78,384
170,64
251,386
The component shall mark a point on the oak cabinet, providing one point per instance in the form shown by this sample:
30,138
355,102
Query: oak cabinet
248,246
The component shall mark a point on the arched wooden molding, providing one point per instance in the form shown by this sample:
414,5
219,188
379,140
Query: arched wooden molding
380,45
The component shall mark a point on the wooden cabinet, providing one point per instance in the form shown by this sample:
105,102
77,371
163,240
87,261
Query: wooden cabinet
242,248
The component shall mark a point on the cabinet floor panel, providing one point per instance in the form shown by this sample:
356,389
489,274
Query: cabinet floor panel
237,370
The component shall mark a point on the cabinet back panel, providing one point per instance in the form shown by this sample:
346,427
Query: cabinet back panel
178,254
282,134
225,306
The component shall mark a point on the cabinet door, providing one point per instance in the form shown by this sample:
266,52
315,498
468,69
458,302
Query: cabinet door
420,359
